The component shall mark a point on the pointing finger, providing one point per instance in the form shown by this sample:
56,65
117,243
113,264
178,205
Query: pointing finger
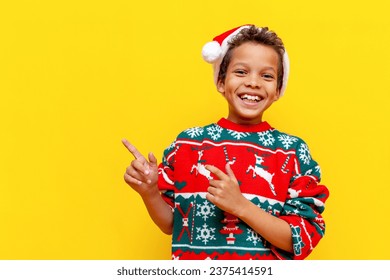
230,172
132,149
216,171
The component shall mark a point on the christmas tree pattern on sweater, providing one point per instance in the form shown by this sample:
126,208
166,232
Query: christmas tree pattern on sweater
275,172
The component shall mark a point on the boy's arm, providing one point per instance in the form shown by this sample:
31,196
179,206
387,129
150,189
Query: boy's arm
159,211
225,193
142,176
273,229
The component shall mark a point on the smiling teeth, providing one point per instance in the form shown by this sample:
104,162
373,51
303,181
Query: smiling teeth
250,97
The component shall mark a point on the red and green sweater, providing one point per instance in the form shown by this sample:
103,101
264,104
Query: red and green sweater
275,171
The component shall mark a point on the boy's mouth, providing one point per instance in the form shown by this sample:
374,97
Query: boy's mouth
250,98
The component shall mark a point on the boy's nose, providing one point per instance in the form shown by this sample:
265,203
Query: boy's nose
252,81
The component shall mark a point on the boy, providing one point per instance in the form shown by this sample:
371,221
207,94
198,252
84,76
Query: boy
238,188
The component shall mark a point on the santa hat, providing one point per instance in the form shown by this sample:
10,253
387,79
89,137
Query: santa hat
213,52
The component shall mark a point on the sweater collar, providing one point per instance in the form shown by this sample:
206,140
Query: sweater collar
225,123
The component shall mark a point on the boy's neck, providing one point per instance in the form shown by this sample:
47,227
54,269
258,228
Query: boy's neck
245,121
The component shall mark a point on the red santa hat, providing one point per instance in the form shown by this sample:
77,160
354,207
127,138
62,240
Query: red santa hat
213,52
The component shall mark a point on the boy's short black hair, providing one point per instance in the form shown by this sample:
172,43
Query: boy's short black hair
256,35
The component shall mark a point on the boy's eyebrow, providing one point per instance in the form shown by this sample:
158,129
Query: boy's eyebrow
270,68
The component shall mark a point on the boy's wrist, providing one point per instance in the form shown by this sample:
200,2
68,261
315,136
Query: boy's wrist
150,193
243,210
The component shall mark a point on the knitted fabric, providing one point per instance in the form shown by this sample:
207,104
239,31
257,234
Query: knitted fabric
275,171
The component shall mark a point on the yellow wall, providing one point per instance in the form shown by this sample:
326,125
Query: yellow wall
78,76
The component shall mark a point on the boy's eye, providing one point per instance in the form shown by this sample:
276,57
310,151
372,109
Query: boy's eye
240,72
268,76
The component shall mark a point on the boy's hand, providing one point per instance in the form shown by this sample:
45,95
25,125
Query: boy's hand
141,175
225,193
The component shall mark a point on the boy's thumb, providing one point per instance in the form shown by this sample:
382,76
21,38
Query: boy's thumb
152,158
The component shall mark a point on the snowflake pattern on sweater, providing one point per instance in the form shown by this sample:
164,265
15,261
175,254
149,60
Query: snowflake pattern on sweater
275,172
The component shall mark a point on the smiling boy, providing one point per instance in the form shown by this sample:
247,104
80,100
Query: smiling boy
238,188
250,85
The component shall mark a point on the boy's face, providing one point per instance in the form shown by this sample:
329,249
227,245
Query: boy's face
250,86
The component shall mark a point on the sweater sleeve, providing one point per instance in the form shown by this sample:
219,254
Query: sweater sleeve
304,205
166,179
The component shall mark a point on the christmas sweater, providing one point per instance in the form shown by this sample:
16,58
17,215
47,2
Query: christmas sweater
275,171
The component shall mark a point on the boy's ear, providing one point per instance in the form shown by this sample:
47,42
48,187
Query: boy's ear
277,95
221,87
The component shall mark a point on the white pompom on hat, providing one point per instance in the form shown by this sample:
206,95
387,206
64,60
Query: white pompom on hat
213,52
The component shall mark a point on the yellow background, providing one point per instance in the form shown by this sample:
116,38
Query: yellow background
78,76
